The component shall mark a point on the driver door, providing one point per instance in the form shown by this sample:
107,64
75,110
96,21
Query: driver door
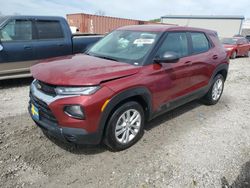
173,78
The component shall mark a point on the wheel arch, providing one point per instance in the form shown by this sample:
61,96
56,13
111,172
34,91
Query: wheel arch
223,72
221,69
140,94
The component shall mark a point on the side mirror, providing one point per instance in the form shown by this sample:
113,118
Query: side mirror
1,47
168,57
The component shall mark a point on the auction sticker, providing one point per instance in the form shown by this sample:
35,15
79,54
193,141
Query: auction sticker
144,41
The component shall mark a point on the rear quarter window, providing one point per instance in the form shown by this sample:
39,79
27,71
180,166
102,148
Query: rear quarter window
49,29
200,43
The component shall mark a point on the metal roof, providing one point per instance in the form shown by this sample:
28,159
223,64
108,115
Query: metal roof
162,28
235,17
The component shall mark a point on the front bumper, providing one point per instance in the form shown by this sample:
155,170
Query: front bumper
57,123
65,134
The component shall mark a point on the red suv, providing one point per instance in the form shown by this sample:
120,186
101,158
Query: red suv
236,46
129,77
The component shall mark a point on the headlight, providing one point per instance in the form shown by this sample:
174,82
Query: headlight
77,90
229,49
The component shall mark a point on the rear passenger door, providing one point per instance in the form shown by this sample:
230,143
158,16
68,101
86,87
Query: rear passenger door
51,41
202,59
17,46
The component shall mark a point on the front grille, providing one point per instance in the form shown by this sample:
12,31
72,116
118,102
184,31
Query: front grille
44,111
45,88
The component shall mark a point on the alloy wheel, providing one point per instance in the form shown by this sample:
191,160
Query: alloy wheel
128,126
217,89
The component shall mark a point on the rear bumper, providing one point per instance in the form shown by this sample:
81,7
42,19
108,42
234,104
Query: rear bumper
67,135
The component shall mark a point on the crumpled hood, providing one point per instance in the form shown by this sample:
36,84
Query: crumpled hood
80,69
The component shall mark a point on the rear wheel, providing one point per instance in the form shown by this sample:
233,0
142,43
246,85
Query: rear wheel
125,126
215,92
234,55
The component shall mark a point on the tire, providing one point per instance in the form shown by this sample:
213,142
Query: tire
234,55
120,134
248,54
215,92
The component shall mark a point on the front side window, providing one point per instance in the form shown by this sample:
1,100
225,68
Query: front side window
200,42
49,29
174,42
125,46
17,30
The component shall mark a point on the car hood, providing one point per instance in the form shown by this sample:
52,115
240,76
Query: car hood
80,69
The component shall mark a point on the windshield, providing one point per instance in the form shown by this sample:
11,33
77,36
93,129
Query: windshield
229,41
125,46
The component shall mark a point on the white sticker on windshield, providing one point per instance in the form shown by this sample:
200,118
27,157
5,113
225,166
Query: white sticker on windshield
144,41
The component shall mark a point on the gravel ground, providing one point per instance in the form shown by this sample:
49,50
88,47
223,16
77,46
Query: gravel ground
192,146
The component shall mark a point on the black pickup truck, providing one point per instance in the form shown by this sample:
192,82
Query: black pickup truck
25,40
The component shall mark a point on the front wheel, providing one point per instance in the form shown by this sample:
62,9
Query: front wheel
215,92
125,126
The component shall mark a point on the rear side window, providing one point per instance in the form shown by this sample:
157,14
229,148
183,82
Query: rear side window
200,42
49,29
175,42
17,30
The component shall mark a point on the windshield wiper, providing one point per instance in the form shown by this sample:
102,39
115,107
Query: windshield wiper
104,57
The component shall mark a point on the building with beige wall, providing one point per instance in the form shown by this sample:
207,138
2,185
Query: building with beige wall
226,26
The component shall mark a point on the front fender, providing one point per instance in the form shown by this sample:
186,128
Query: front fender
120,97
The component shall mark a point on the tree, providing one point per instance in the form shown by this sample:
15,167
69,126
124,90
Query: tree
100,13
155,20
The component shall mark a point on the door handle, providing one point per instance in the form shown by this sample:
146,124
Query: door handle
1,47
61,45
215,57
27,47
189,63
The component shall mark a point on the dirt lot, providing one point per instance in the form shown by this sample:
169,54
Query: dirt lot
192,146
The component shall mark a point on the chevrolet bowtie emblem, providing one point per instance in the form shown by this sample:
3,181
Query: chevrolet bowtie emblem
38,86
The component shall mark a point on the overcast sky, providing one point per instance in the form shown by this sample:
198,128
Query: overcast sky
134,9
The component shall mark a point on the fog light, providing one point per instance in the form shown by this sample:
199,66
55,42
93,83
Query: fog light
74,111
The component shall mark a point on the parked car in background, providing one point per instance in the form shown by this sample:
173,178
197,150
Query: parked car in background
25,40
129,77
236,46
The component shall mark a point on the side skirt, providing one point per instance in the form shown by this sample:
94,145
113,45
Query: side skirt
180,101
